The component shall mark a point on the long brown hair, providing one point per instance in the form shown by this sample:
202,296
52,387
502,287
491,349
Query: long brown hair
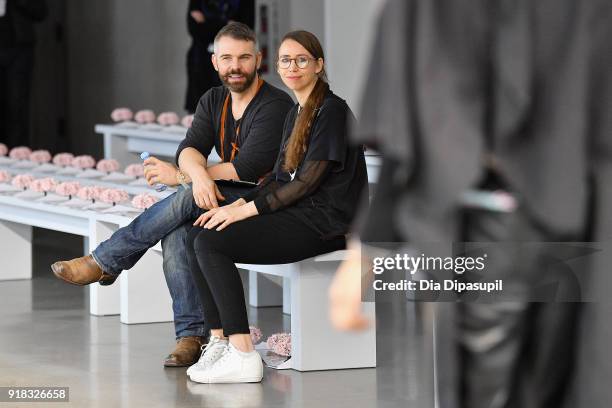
298,141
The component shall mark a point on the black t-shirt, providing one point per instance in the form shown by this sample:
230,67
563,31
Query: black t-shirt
261,129
325,190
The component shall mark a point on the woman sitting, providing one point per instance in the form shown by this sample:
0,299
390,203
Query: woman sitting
302,209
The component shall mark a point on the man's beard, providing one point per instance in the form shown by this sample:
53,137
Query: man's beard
249,78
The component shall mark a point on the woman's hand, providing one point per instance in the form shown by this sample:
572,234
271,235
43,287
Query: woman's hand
198,16
221,217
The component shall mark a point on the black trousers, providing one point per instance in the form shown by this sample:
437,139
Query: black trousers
516,353
275,238
16,66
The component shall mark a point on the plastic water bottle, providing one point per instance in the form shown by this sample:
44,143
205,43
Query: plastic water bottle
158,187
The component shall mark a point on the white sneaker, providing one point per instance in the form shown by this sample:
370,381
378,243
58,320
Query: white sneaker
234,366
211,352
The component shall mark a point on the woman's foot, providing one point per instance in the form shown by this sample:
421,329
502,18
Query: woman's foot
234,366
210,354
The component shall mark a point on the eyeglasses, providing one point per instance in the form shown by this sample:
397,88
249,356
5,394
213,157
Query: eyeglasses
301,61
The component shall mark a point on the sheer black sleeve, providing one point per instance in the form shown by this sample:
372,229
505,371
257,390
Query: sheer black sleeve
275,196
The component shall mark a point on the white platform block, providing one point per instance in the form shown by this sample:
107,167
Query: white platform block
264,290
103,300
15,251
287,296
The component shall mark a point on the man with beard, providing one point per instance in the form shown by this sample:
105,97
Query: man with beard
243,120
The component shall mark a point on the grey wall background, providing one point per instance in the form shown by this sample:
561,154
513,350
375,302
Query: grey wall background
132,53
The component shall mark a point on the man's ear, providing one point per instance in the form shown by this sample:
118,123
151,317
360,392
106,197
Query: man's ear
213,58
259,58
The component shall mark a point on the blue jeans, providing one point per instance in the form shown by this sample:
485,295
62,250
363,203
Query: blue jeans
168,220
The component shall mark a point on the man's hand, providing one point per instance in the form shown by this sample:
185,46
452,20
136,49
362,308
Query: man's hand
206,193
198,16
158,171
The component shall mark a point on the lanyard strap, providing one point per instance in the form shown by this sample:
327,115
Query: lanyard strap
235,147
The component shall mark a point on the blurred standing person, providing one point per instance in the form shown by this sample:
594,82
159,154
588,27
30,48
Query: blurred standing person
204,20
17,39
496,95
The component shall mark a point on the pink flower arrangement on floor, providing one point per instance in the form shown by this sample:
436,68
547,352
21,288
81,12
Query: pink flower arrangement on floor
20,153
135,170
187,121
168,118
121,114
68,188
43,185
113,196
144,201
145,116
83,162
40,156
256,335
22,180
3,149
108,165
63,159
280,343
90,192
5,176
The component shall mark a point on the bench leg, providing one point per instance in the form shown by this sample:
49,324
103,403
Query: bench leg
144,294
315,344
287,296
103,300
15,251
264,290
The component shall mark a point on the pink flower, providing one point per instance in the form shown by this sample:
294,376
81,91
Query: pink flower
121,114
83,162
108,165
255,334
43,185
68,188
280,343
40,156
145,116
135,170
168,118
63,159
187,121
3,149
90,192
22,180
144,201
113,195
20,153
276,338
5,176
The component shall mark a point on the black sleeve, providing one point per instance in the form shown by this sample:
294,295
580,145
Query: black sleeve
201,134
261,148
191,23
307,179
328,138
268,184
34,9
246,13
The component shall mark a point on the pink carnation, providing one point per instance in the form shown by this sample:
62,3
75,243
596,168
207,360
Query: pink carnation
22,180
168,118
114,195
83,162
3,149
43,185
40,156
280,343
187,121
20,153
144,201
121,114
255,334
90,192
108,165
5,177
145,116
63,159
135,170
68,188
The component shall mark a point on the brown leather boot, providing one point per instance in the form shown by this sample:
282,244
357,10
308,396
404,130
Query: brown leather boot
186,353
81,271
